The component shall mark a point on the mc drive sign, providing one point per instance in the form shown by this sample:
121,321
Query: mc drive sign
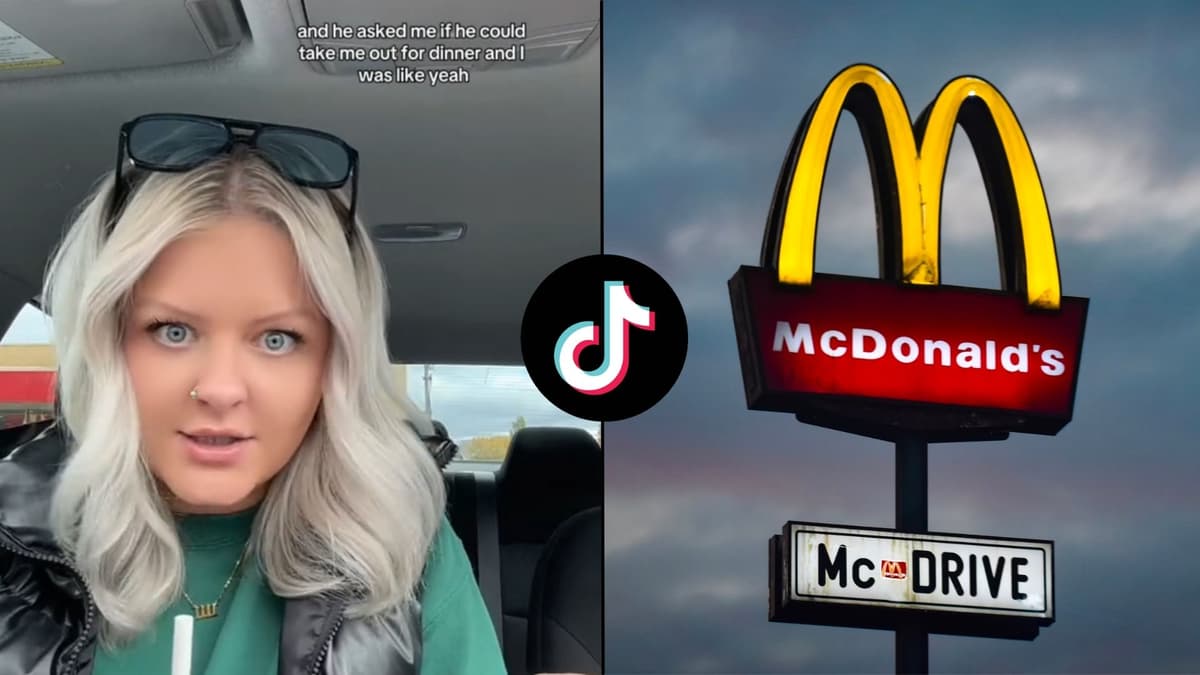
942,573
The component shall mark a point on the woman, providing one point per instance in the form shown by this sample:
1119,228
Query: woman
230,442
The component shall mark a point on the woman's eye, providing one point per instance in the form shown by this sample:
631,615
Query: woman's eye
172,334
279,342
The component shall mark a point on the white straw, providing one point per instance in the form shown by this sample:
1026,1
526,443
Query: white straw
181,653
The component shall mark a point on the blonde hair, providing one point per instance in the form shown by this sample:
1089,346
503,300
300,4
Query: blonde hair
355,511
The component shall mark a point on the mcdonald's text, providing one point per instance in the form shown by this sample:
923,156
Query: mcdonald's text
844,341
868,344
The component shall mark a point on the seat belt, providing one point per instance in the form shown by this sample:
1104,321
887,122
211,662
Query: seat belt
488,529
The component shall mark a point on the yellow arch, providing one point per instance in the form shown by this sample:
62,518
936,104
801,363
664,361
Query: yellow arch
919,178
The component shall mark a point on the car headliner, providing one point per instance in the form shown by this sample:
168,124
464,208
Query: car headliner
514,154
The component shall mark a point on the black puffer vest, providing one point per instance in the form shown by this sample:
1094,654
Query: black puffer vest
48,622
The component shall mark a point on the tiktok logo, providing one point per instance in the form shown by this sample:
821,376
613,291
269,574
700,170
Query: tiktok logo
601,349
620,312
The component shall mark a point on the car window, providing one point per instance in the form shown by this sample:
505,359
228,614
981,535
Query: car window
481,406
27,364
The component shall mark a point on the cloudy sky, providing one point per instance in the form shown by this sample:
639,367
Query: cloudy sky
701,100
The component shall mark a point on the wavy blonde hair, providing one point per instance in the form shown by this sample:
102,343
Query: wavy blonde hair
355,511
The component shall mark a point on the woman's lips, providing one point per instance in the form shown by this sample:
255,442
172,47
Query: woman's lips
218,455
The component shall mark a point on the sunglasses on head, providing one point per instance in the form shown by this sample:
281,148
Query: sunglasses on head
177,142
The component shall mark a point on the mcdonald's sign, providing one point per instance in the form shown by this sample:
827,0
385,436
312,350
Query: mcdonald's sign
902,354
873,578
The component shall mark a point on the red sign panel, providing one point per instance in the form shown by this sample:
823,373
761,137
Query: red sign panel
894,569
978,360
27,387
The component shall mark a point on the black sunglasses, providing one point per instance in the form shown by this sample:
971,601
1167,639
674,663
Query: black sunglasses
179,142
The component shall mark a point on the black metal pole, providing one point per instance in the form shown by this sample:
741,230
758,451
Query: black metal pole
912,515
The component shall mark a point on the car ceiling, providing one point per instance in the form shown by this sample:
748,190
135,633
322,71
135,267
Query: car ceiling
514,154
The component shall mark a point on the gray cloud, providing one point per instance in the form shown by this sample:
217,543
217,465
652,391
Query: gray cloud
1103,150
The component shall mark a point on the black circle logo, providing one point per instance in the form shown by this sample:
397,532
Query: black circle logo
604,338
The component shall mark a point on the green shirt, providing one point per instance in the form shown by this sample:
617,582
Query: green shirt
457,633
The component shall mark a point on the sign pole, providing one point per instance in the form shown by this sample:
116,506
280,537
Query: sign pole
912,515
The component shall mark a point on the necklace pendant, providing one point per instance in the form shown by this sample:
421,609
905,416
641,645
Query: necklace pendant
206,611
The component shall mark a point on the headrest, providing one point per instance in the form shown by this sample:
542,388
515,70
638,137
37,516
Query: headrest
550,474
433,433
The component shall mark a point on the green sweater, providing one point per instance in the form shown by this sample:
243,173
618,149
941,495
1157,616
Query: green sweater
457,634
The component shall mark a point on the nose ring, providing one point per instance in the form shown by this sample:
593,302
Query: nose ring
194,394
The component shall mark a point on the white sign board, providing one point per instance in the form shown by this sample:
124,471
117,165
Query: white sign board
883,568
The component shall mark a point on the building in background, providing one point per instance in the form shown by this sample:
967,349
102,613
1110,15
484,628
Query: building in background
27,374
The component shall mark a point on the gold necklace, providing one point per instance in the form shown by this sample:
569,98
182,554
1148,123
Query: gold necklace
209,609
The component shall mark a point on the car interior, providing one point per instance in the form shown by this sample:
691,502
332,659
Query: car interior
474,191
